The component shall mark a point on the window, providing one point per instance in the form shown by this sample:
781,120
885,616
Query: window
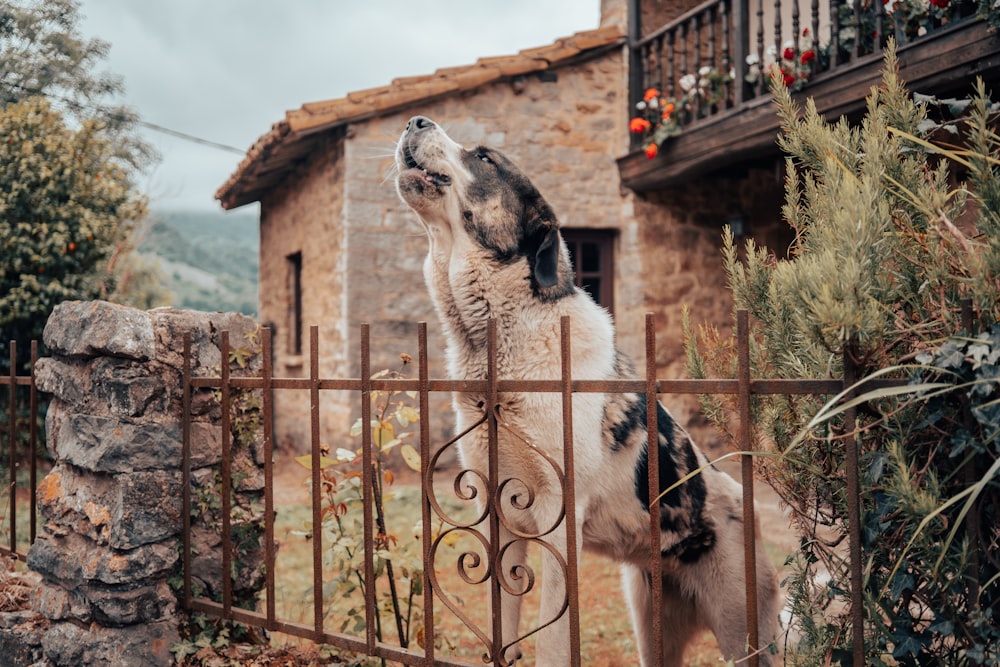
592,254
295,303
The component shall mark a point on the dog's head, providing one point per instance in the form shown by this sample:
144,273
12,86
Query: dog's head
481,195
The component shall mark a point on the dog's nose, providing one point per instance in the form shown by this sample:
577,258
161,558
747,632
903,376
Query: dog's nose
419,124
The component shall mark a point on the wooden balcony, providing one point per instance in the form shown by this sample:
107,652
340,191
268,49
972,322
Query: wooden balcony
730,119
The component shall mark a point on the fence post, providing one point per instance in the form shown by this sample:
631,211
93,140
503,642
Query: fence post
746,461
111,507
854,512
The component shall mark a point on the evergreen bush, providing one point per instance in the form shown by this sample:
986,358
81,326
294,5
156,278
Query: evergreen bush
890,244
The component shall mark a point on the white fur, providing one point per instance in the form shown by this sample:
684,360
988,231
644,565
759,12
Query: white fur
467,286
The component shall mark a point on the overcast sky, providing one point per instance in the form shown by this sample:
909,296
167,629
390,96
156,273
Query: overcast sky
226,70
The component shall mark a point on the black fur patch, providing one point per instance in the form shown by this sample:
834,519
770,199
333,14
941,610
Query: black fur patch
633,420
666,461
682,506
520,221
693,547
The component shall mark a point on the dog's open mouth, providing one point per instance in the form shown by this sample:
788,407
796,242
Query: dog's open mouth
432,177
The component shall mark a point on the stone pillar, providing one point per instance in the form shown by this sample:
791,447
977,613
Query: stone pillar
108,550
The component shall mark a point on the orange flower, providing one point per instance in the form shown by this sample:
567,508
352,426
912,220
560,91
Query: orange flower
639,125
651,151
669,108
651,94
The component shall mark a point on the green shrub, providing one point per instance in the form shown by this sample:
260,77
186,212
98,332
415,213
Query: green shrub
889,246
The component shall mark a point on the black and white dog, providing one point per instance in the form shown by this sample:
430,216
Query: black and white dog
496,251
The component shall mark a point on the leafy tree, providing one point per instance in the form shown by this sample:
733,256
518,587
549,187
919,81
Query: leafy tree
887,251
43,53
67,207
68,202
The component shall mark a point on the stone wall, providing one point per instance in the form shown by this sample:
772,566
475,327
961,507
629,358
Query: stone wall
108,547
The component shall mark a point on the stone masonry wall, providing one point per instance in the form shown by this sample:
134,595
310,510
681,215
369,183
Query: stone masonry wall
111,506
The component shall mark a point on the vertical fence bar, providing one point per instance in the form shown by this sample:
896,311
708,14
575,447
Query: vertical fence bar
971,475
727,55
12,451
777,30
317,487
267,407
814,34
427,477
854,512
746,461
186,469
227,484
493,495
834,33
569,492
33,440
796,16
653,488
761,80
367,486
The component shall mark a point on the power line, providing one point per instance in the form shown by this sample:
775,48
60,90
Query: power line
138,121
190,137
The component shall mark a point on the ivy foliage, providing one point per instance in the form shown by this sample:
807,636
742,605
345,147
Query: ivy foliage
896,265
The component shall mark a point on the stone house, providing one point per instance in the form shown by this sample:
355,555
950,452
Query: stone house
338,248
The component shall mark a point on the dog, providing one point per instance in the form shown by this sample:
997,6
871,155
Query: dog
495,251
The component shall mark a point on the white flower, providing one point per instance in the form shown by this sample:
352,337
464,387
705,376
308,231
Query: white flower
654,103
753,58
687,82
921,31
704,71
790,44
732,73
702,83
640,105
772,51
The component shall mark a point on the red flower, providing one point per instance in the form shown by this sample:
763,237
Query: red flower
810,55
942,4
651,94
639,125
789,80
651,151
788,53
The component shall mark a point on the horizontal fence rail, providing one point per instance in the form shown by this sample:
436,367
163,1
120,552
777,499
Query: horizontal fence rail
19,437
491,555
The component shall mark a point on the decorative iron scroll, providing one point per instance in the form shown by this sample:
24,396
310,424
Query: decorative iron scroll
515,579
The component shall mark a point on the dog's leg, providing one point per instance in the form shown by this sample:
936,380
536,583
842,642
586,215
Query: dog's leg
552,648
720,582
510,605
679,618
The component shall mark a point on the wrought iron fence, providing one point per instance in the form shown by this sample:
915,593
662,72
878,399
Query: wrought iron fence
19,446
434,603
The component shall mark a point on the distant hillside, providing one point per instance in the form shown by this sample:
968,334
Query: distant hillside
209,260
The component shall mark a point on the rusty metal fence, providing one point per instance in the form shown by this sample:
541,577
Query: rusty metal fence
19,444
487,523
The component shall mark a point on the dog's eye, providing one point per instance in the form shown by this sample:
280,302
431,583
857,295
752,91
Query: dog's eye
484,157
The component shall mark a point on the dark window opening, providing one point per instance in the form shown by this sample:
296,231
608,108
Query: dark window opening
592,253
295,303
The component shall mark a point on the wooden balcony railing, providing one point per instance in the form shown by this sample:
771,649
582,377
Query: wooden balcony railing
714,62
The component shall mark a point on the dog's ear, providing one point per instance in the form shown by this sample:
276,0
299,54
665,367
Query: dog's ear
546,265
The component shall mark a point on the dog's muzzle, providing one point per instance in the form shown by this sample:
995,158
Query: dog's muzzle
418,130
